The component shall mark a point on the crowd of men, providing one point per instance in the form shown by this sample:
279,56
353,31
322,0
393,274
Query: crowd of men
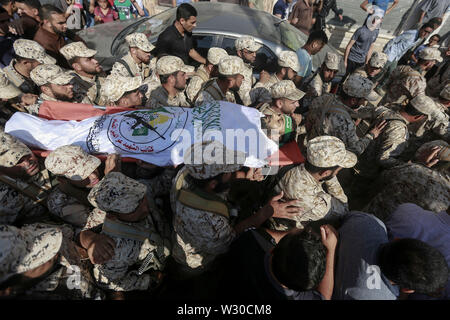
364,216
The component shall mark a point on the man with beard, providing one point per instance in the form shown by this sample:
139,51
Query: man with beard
53,32
28,55
86,81
27,25
137,62
246,48
122,91
54,84
172,74
226,86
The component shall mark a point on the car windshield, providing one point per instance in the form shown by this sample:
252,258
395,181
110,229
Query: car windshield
290,36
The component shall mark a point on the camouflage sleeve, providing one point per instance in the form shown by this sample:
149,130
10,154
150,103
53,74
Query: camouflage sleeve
95,219
415,86
392,144
335,189
203,97
314,88
119,69
194,87
345,129
244,92
67,208
33,109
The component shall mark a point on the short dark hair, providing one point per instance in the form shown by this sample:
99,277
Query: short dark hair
435,22
317,35
299,260
164,77
409,109
313,169
73,60
4,2
46,11
19,58
413,264
428,25
435,36
35,4
185,11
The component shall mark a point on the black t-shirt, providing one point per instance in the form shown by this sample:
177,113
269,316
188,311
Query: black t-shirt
171,42
248,275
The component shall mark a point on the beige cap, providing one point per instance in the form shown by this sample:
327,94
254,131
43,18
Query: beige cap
445,93
11,150
170,64
378,59
357,86
430,54
247,42
332,61
71,162
231,66
117,192
27,248
329,151
76,49
211,158
7,89
286,89
423,104
115,87
216,54
140,41
289,59
30,49
50,73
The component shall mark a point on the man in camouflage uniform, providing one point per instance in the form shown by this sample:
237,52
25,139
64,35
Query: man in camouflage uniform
125,213
40,261
87,80
374,67
226,86
203,218
53,83
205,72
326,156
334,115
246,48
288,66
122,91
172,73
29,54
137,62
406,82
22,184
319,82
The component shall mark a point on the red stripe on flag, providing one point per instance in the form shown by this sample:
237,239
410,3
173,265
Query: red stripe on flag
288,154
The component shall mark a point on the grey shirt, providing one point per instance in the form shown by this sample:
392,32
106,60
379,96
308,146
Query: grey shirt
434,8
364,38
357,275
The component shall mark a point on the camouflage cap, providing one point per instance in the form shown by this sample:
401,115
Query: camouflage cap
332,61
378,59
71,162
211,158
30,49
289,59
247,42
27,248
117,192
170,64
443,154
423,104
231,66
50,73
140,41
11,150
216,54
357,86
77,49
115,87
7,89
430,54
329,151
445,93
286,89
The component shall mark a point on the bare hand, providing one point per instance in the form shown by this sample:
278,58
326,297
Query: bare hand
254,174
287,210
28,99
341,17
297,118
98,19
113,163
429,156
378,128
329,237
91,8
101,249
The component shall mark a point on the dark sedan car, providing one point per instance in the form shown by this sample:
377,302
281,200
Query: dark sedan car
218,25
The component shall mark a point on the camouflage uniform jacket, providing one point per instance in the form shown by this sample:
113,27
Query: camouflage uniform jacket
197,80
436,123
411,182
160,98
440,79
26,85
87,90
138,70
315,201
269,83
329,116
362,72
247,84
211,91
315,89
405,83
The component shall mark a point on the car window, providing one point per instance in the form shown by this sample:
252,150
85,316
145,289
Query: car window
291,37
203,42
